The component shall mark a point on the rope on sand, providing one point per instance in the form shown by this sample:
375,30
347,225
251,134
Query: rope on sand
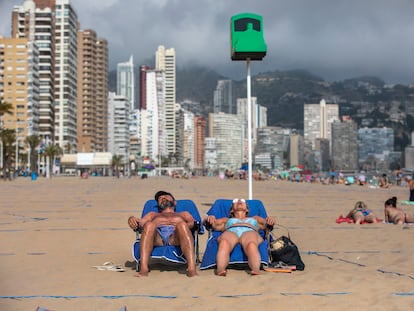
88,296
238,295
339,259
362,265
316,294
404,294
396,273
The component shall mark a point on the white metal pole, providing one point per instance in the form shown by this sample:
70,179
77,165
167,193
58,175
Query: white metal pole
249,130
47,164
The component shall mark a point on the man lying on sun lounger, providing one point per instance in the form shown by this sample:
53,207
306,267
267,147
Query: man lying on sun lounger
165,227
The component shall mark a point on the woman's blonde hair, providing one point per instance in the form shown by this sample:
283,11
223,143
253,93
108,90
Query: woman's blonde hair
360,205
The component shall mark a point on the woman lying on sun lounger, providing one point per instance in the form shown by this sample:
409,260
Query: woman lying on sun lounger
394,214
239,228
361,213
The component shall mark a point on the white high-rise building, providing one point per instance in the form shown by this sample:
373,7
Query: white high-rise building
318,119
66,75
228,131
224,99
118,125
125,84
258,117
152,117
165,60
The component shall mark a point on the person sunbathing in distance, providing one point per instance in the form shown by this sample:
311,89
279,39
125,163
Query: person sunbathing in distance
384,181
239,228
361,213
396,215
165,227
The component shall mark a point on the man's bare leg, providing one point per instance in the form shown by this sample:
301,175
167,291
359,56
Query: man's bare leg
186,241
147,244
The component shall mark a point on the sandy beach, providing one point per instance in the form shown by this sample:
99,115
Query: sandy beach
53,231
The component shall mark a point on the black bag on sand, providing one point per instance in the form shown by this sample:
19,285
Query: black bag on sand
283,249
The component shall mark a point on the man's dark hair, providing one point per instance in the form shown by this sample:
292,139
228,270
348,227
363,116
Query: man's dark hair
160,193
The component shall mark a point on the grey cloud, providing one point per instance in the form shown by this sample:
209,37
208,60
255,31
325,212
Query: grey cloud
333,39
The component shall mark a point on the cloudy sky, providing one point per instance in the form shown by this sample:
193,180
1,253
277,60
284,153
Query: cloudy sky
335,39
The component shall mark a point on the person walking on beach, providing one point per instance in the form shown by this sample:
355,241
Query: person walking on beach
410,183
165,227
396,215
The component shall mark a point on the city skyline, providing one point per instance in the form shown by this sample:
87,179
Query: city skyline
335,40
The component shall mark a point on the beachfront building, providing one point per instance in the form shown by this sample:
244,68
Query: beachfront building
296,156
125,81
200,124
224,98
165,61
321,155
272,145
185,138
65,100
211,155
118,126
345,146
19,86
152,116
409,154
35,21
258,117
374,145
318,119
227,129
92,92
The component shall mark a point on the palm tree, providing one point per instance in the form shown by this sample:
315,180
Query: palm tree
8,138
52,151
5,107
33,141
116,163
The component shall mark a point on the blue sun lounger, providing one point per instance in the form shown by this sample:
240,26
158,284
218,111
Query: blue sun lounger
220,209
169,254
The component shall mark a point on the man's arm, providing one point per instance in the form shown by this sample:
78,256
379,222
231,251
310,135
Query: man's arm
148,217
220,224
188,219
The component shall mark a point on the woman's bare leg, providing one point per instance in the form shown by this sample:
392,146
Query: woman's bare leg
250,243
226,243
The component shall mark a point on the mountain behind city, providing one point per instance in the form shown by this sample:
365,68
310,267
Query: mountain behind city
367,100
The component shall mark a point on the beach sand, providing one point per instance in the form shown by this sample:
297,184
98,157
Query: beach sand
53,231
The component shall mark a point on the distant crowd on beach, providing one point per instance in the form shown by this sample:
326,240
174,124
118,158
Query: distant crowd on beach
330,178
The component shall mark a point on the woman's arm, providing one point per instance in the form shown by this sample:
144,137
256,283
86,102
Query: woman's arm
219,224
351,212
262,222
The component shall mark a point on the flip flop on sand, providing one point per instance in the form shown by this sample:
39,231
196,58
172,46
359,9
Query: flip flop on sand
109,266
280,267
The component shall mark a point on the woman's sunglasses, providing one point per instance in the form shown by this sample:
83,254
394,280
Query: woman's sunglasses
237,200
